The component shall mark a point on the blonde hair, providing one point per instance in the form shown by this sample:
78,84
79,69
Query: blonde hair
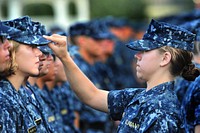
12,65
7,71
181,63
13,50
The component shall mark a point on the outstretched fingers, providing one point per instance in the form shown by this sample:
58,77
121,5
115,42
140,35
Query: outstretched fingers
57,39
58,44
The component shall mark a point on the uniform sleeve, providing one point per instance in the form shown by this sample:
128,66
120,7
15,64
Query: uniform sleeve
161,122
119,99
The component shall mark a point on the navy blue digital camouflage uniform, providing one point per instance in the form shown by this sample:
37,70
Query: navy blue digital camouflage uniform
48,112
158,109
139,112
181,86
33,107
54,121
59,102
48,99
16,117
77,104
106,76
63,98
87,114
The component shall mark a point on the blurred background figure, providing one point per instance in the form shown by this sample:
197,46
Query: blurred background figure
188,91
182,85
122,61
89,38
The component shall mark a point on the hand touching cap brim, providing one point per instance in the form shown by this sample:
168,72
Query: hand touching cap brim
58,45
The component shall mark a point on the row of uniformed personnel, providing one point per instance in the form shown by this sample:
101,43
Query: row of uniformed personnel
27,103
38,104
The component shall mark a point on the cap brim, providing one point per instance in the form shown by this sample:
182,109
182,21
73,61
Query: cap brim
31,40
142,45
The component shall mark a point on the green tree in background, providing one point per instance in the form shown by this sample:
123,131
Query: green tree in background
132,9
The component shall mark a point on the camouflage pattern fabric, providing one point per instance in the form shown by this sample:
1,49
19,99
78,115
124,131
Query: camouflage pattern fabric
30,32
156,110
15,117
163,34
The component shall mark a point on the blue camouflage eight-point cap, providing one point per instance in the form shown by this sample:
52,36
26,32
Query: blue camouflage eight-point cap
5,30
30,32
94,29
98,30
161,34
77,29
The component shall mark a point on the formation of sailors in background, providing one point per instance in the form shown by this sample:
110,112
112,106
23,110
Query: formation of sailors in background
36,95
